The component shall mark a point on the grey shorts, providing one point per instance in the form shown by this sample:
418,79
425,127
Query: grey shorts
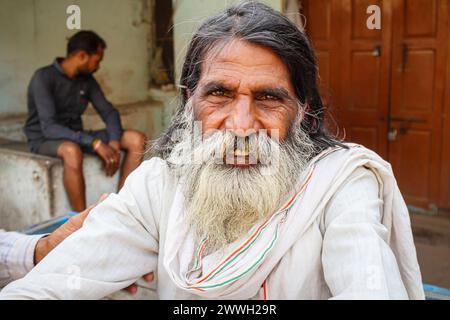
50,147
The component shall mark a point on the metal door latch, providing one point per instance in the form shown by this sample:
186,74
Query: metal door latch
376,52
392,134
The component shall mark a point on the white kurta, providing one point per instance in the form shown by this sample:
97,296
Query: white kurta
350,249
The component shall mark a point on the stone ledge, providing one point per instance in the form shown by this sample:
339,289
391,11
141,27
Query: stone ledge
32,187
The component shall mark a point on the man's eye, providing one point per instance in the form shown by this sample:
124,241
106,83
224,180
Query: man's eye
267,97
220,93
217,93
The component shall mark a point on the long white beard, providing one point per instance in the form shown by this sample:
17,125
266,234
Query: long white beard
223,202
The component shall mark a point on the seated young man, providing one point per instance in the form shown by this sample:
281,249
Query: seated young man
58,95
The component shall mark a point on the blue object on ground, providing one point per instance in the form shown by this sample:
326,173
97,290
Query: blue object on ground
49,226
436,293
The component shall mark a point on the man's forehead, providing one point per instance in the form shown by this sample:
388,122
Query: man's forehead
240,60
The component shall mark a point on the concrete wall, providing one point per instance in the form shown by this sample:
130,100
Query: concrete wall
33,32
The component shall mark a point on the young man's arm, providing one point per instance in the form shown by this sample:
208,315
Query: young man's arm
107,112
40,90
117,244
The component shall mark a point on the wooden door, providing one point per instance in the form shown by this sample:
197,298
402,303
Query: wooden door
418,77
364,71
354,67
385,87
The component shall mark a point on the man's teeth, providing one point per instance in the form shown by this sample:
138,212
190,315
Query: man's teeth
241,153
239,150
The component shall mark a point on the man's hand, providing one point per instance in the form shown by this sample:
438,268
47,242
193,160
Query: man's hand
110,157
48,243
132,289
115,144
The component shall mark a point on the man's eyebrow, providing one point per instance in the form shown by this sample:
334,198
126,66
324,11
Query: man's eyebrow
215,85
279,92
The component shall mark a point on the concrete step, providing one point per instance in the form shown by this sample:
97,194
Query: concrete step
32,187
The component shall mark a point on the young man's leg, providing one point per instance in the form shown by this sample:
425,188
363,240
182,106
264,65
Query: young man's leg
72,157
133,142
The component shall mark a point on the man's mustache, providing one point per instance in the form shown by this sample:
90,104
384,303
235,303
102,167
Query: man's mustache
226,147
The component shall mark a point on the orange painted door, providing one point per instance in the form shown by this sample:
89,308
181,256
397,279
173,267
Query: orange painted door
385,87
354,67
419,50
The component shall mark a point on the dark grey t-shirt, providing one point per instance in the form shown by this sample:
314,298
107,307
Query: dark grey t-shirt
56,103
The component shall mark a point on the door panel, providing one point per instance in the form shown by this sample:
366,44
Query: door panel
411,166
422,18
318,21
366,89
418,57
358,20
367,136
417,86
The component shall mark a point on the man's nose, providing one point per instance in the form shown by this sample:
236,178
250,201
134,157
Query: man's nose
242,120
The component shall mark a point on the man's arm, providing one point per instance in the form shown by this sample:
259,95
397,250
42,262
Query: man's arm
19,253
357,260
16,255
115,246
107,112
40,89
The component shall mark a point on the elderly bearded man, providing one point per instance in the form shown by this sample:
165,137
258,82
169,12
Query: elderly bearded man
306,218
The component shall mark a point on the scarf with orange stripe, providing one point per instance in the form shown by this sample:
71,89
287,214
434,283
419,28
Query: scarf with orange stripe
244,269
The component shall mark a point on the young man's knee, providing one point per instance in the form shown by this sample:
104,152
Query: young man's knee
134,140
71,154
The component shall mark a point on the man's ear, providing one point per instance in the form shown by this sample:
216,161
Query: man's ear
188,93
82,56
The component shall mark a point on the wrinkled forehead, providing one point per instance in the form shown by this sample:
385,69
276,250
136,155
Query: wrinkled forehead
241,63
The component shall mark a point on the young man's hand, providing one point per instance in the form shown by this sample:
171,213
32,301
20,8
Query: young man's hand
48,243
110,157
115,144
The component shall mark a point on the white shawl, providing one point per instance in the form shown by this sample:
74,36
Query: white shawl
247,263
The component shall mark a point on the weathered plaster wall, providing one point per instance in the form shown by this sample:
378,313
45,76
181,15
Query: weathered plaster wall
33,32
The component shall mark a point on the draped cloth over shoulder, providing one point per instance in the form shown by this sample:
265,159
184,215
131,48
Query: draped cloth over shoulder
246,265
